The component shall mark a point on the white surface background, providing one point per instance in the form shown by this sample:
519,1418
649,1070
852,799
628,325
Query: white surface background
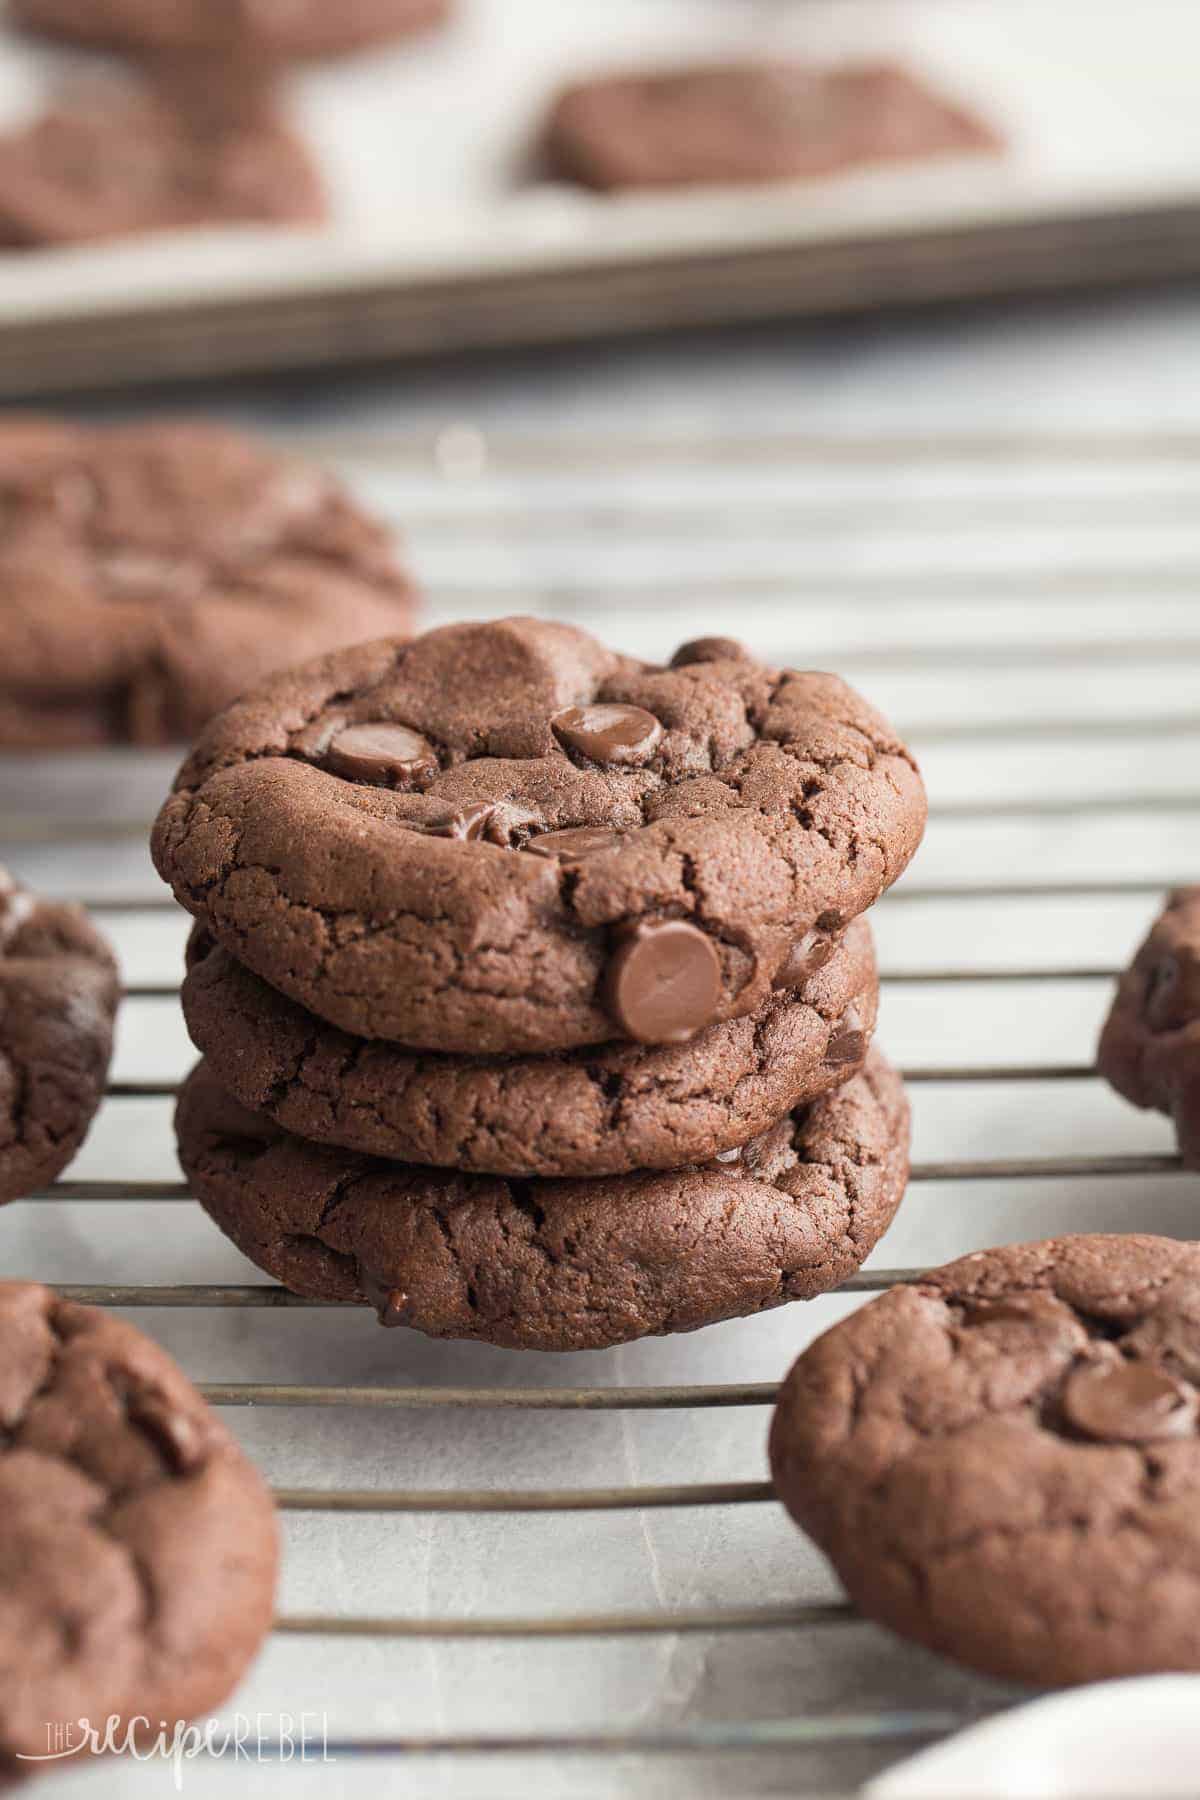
986,521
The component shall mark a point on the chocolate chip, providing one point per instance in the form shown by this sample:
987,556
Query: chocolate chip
488,821
709,649
850,1044
626,736
806,957
664,983
382,756
1128,1403
573,845
391,1304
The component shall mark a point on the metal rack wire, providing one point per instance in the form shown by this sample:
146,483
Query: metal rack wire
841,1727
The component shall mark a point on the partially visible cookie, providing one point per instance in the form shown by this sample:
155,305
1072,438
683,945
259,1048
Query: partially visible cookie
237,28
604,1111
558,1265
1150,1046
138,1555
1002,1462
58,1000
752,122
151,572
504,838
112,159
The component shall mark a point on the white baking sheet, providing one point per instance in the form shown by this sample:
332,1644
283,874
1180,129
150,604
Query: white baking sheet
426,146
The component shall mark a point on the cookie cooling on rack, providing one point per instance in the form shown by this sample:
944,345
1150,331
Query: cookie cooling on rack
1002,1460
139,1554
58,1000
507,839
1150,1046
151,572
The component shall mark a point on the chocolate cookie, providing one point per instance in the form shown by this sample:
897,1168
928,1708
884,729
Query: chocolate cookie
138,1556
1002,1462
1150,1046
151,572
58,1000
752,122
604,1111
559,1265
114,159
505,839
236,28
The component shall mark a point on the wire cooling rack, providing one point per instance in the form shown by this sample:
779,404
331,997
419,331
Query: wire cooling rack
1053,833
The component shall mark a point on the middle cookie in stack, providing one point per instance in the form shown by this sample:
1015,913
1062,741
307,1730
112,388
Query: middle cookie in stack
534,996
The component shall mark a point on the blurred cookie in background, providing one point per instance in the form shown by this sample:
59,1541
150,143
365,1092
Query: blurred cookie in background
113,158
752,122
296,29
152,572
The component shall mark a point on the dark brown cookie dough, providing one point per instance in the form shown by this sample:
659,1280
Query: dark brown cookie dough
752,122
138,1553
58,1000
559,1265
1150,1046
607,849
1002,1462
235,28
605,1111
152,572
112,159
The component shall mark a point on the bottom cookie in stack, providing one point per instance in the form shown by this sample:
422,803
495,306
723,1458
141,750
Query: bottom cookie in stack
559,1264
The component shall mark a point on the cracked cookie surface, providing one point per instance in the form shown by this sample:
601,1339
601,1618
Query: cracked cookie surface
604,1111
151,572
506,839
67,178
1001,1460
558,1265
59,991
138,1553
1150,1045
752,122
298,29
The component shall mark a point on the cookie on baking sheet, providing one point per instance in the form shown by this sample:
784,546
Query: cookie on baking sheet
151,572
138,1558
558,1265
503,838
1001,1461
237,28
752,122
111,159
604,1111
1150,1046
58,1000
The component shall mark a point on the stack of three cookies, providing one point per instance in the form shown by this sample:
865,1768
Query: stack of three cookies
532,984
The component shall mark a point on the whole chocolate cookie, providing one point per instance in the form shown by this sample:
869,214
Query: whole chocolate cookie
1002,1462
58,1000
559,1265
151,572
505,839
751,122
1150,1046
236,28
112,159
138,1556
604,1111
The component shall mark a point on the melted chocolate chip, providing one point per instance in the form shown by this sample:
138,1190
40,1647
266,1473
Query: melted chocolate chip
709,649
382,756
664,983
574,845
391,1304
624,736
806,957
1128,1403
488,821
850,1043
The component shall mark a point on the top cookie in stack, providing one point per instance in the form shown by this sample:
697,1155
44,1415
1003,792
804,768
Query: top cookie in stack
432,877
